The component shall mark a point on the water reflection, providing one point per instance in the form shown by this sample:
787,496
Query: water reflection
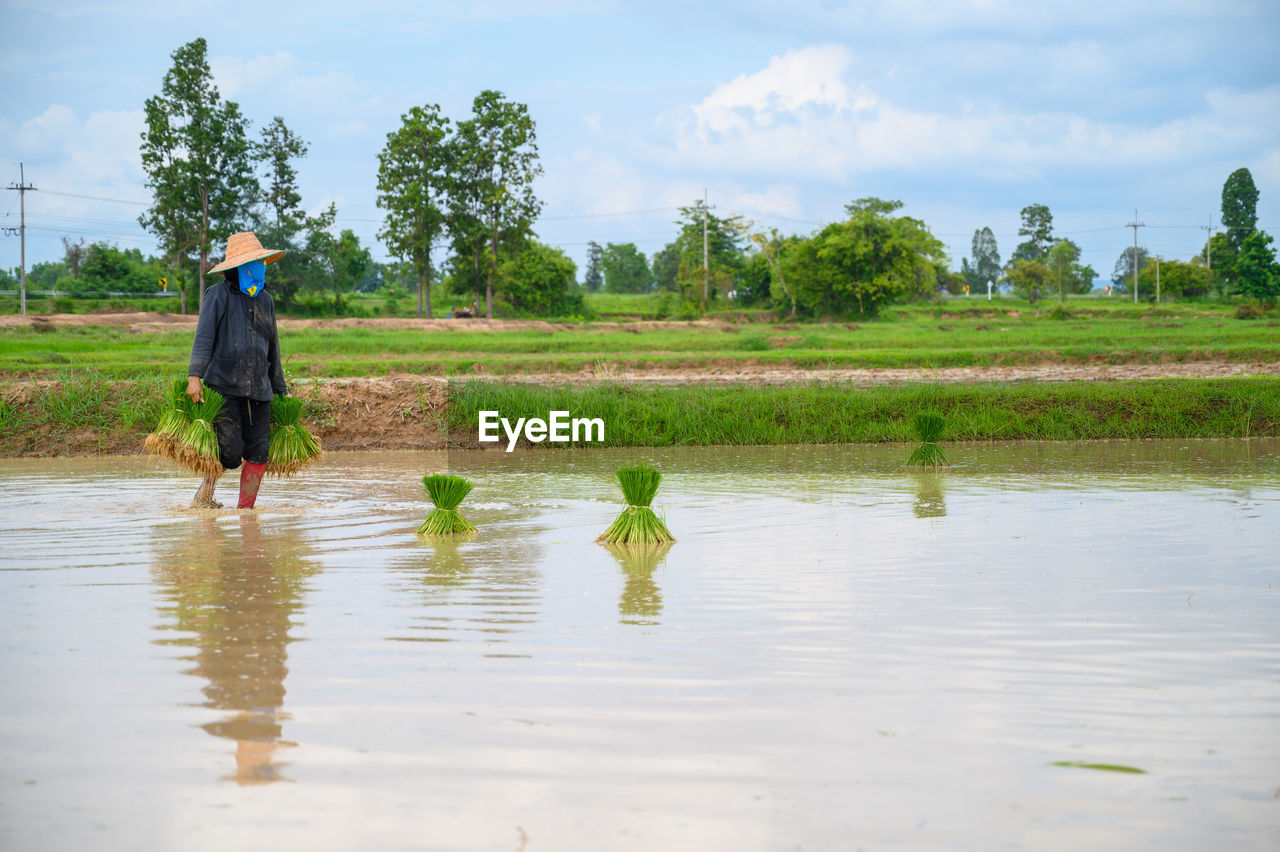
929,502
462,586
233,590
641,601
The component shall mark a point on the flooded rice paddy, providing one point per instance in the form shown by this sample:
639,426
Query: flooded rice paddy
837,653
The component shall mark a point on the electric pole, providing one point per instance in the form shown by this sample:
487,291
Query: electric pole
1208,243
706,257
1135,224
22,188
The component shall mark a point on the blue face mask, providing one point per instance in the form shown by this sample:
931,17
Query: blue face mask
253,277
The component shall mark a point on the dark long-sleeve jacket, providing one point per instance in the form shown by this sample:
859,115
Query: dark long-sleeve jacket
237,349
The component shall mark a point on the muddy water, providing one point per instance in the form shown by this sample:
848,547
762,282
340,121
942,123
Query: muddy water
836,653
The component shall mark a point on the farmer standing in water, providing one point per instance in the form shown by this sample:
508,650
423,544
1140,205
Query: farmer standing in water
237,353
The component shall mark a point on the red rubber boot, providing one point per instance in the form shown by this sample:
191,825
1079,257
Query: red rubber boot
250,480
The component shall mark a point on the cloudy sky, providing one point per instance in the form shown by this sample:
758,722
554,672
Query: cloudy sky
780,112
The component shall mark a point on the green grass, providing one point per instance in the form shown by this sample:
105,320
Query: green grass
829,413
907,337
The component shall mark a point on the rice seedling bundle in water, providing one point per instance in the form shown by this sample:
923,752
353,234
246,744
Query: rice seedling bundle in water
929,426
185,431
293,447
638,523
447,492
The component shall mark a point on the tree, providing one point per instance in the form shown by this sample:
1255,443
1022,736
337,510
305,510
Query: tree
986,260
1176,279
170,217
540,280
625,269
1122,274
771,247
1257,275
592,280
1222,263
1239,207
496,162
1062,258
1037,226
74,255
217,169
701,275
665,265
279,147
1028,278
413,179
865,262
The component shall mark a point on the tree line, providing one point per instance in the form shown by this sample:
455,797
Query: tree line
459,209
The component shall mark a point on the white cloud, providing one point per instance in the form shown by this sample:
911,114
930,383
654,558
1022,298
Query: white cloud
234,75
802,117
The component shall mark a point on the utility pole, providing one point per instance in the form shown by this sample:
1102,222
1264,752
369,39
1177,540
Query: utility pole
1135,224
1208,243
706,256
22,188
1157,279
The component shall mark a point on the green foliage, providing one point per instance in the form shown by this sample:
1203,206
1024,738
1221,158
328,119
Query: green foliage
279,147
447,493
540,281
864,263
986,261
413,184
1257,274
1239,207
492,205
1037,227
701,275
198,160
593,279
1028,278
1177,279
1122,274
665,265
638,523
625,269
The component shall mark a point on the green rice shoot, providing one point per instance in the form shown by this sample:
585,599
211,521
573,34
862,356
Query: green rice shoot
185,431
447,493
292,447
638,523
929,427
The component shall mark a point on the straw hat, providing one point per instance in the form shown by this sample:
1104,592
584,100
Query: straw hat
243,248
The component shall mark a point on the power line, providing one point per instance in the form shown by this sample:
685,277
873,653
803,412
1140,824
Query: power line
96,198
22,188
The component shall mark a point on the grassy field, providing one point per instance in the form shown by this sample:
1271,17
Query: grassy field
956,335
826,413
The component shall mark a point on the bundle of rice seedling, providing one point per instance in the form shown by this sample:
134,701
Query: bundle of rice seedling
198,448
638,524
293,447
929,426
185,430
447,492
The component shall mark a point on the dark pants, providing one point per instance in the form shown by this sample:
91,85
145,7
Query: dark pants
244,431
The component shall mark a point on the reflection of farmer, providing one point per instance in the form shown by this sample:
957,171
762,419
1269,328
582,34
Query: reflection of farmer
237,353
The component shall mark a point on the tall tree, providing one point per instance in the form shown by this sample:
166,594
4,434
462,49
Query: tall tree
210,151
1239,207
625,269
1061,259
1028,278
1122,274
772,247
986,259
279,147
592,279
1037,227
665,265
74,253
413,183
170,217
496,162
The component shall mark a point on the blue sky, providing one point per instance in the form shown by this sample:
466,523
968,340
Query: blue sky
965,111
